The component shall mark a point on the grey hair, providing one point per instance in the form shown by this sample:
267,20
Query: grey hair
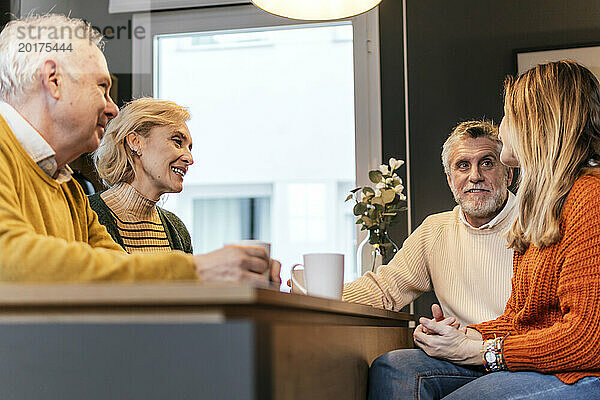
469,129
20,65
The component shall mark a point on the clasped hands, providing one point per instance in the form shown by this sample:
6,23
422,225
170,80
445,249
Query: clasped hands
443,338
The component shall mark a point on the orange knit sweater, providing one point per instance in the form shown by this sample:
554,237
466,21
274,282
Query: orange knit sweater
553,314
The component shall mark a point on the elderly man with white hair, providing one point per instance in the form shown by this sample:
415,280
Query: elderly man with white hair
461,254
54,87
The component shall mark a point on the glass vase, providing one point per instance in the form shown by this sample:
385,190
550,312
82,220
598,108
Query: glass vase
377,249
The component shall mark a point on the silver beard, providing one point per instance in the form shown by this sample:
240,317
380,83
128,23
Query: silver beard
485,208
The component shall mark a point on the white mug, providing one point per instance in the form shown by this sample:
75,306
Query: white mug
323,274
256,243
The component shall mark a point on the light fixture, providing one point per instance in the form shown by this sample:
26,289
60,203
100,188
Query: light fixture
316,10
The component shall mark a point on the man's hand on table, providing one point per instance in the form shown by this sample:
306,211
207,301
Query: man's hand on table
237,264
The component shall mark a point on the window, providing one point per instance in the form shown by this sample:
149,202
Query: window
280,123
220,221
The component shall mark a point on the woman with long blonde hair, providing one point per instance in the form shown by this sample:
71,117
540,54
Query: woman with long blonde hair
546,345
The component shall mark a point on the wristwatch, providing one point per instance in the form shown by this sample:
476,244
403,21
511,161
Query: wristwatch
492,355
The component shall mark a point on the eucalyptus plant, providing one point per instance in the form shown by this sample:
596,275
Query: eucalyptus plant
378,208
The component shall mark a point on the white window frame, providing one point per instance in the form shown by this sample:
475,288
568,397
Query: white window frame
367,89
209,191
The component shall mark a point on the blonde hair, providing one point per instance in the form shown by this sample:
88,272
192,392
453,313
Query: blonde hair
114,158
553,115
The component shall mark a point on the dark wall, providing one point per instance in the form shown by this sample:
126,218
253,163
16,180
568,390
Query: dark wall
459,53
393,141
4,12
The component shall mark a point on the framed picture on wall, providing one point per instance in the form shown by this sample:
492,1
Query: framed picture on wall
587,55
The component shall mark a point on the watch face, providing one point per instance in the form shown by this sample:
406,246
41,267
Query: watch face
490,357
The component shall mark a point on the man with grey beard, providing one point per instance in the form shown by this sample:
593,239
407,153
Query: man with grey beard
460,254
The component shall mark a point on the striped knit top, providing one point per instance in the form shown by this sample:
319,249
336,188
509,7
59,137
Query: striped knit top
553,314
469,268
137,220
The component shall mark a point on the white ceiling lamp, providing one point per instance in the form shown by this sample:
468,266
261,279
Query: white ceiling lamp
316,10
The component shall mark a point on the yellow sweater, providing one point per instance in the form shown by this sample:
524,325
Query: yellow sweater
49,233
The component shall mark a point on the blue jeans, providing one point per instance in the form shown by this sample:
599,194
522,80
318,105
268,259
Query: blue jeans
412,374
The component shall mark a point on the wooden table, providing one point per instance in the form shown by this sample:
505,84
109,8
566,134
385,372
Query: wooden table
187,341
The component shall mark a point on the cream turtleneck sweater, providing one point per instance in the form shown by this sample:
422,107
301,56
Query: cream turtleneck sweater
468,268
137,220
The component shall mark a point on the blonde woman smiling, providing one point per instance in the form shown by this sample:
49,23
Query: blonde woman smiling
145,153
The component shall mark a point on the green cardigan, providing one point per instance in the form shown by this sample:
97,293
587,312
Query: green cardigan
177,234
